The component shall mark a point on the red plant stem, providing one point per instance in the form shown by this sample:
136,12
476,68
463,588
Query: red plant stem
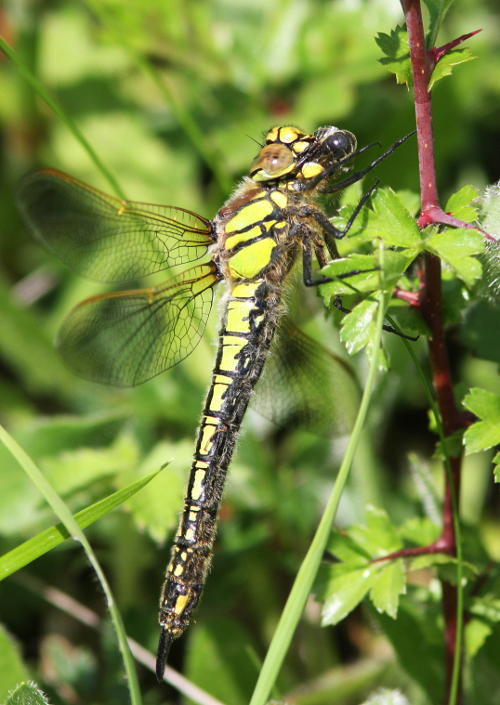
430,305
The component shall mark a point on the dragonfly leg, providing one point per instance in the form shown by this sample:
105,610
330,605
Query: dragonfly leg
358,175
337,301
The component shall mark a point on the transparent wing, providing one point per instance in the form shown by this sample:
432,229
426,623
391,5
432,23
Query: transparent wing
105,238
306,386
125,338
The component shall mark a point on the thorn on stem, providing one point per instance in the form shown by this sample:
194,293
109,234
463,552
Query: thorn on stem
437,53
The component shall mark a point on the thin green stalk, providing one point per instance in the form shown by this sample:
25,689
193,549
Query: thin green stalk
309,568
63,512
456,524
56,108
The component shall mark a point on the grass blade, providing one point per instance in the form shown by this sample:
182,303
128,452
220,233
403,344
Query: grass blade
63,512
48,539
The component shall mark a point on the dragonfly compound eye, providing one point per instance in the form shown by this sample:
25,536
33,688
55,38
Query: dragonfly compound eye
339,143
272,161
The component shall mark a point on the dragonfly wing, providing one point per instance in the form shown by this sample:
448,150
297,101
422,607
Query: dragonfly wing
306,386
105,238
125,338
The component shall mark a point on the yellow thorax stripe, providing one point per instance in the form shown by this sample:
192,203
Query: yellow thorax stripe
251,260
246,235
249,215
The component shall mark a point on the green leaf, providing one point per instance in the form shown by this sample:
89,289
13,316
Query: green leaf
389,584
395,265
475,633
388,219
358,327
345,591
379,537
437,10
347,583
45,541
358,330
459,206
26,694
486,613
420,531
445,64
347,550
397,54
12,669
394,224
457,248
486,433
366,280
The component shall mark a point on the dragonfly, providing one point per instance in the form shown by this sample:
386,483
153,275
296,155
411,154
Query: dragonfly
127,337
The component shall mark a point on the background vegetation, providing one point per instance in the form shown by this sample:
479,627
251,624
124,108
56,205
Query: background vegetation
228,71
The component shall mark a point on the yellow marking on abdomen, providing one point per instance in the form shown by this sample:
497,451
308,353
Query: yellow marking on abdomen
245,291
181,603
231,346
217,400
219,387
237,317
207,432
198,488
250,261
249,215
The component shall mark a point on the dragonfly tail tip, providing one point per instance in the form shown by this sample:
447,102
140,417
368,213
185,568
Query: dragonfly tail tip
163,649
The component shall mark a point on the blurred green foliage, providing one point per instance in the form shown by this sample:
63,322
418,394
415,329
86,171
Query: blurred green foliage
228,71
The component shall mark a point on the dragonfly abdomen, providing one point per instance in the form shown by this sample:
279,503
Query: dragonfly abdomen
248,326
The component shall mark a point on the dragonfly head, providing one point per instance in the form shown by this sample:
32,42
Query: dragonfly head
292,155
